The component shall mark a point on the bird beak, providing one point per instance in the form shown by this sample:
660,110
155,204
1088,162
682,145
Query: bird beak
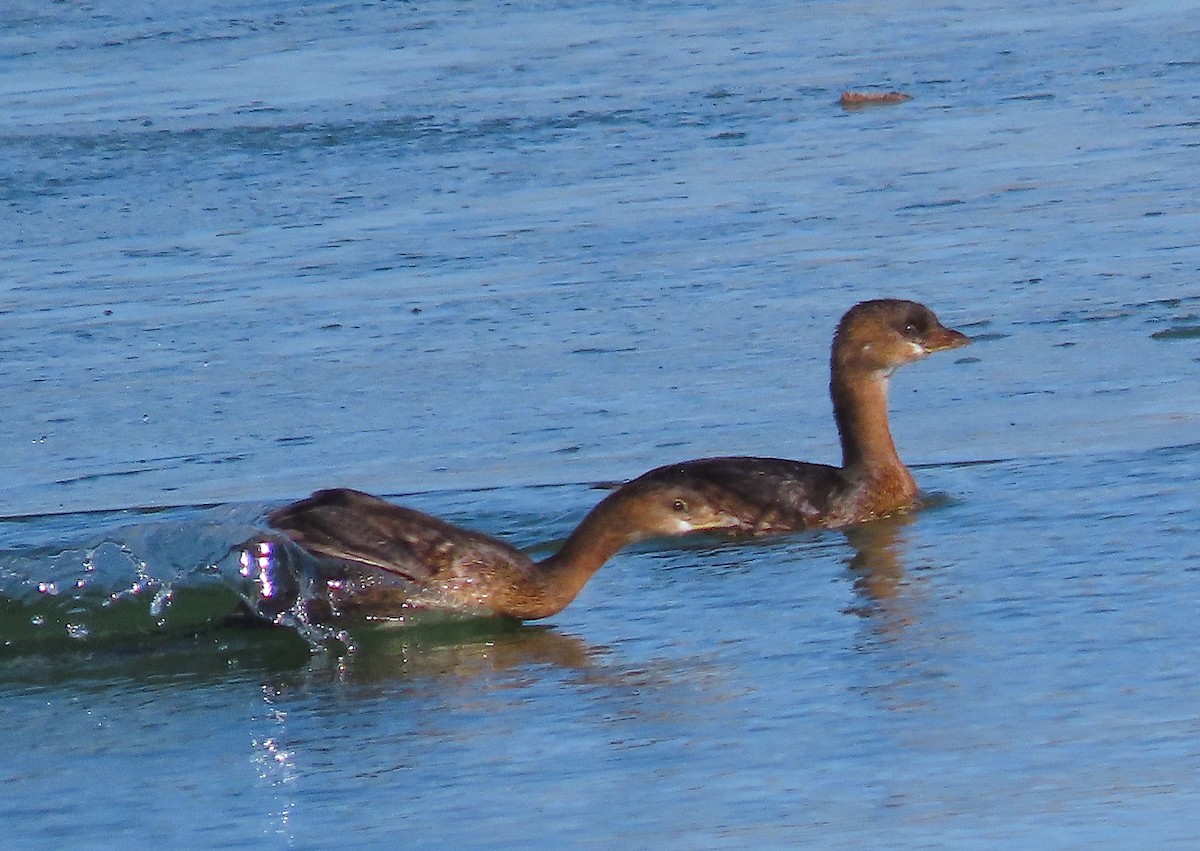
941,339
728,522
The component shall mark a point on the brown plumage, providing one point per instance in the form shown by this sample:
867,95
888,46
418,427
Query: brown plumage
771,495
382,559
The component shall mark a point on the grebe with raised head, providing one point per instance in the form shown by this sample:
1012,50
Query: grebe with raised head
770,495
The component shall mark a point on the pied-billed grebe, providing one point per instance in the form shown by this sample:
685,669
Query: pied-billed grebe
775,495
383,559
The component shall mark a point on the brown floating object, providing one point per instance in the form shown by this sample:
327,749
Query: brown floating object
851,99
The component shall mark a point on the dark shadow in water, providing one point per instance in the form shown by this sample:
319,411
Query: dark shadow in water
204,656
463,650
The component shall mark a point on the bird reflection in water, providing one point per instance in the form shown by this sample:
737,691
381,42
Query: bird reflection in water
879,571
467,649
876,566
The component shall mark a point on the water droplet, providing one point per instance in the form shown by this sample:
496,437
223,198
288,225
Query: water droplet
160,602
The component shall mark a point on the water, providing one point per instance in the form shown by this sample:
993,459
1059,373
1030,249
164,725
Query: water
479,259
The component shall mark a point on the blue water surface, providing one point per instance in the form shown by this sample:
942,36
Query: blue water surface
480,259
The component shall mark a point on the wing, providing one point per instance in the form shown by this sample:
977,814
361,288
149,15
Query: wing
362,529
766,494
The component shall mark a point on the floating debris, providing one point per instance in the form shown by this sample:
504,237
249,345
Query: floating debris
1177,332
856,99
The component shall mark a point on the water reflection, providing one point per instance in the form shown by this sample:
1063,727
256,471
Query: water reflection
877,566
210,654
479,649
463,649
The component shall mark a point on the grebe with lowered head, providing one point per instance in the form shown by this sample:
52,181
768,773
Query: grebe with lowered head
380,560
771,495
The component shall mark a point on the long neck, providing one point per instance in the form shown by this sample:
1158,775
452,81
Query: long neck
599,535
860,406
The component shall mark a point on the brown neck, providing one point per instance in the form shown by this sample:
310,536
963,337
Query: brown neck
860,406
606,529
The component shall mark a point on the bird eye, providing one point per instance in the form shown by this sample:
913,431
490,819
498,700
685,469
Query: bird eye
910,330
680,505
